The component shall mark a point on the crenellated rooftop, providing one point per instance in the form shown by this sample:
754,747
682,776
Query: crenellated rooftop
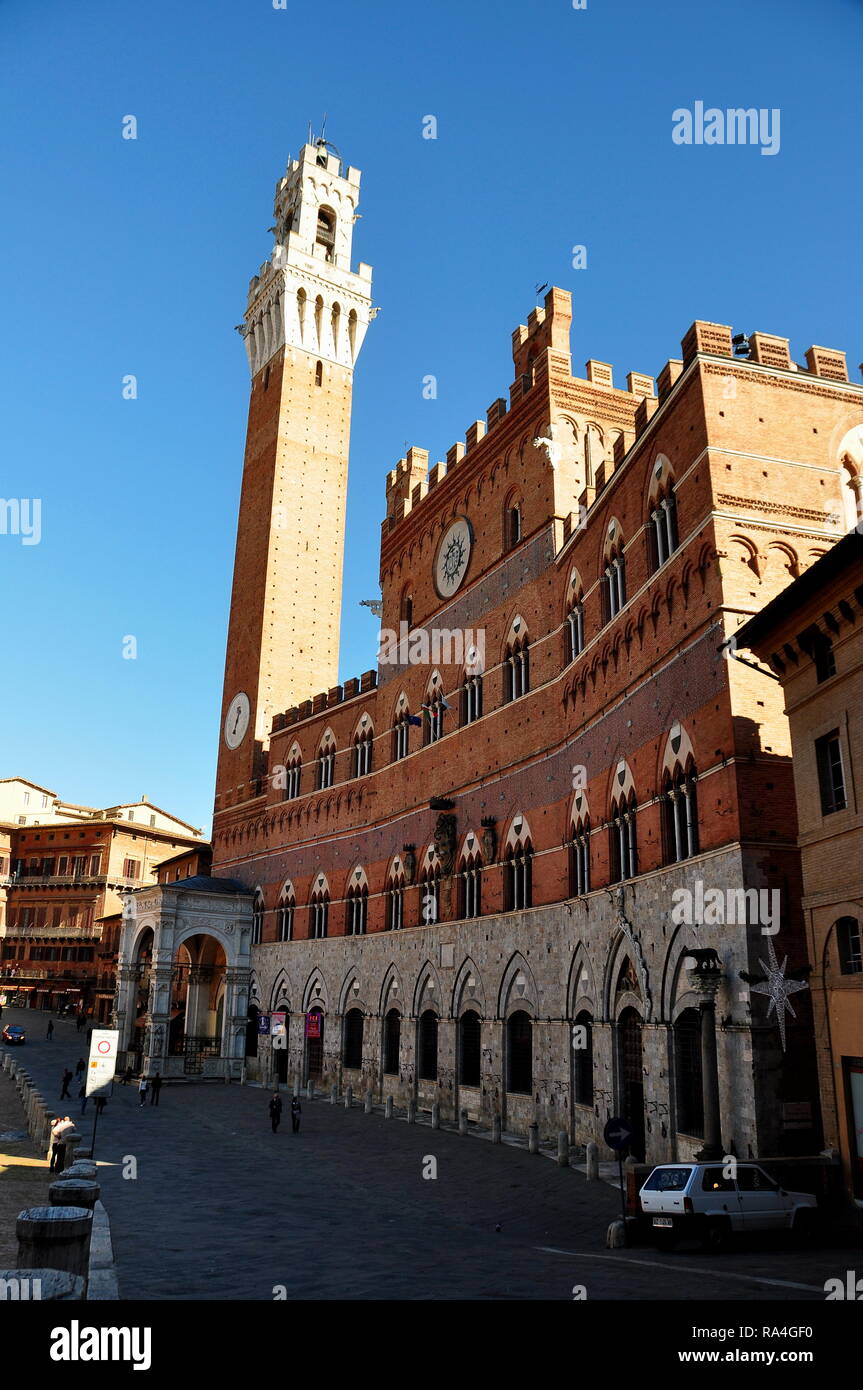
541,346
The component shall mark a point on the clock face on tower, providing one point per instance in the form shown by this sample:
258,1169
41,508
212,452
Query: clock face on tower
453,557
237,720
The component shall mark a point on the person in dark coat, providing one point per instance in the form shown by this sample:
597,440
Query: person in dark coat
296,1111
275,1109
155,1088
67,1077
79,1070
50,1034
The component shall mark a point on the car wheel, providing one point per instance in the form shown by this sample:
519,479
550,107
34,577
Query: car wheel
717,1235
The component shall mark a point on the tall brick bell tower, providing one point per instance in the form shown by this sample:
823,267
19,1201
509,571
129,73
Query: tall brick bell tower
304,325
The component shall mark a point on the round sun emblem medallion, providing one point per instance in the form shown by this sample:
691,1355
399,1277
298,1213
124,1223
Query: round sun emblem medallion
453,557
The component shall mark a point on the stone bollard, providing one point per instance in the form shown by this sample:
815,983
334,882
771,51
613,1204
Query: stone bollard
40,1286
435,1121
412,1111
310,1090
369,1101
74,1192
81,1168
495,1129
388,1108
55,1238
334,1095
37,1124
349,1096
533,1138
71,1139
591,1161
615,1236
462,1122
563,1148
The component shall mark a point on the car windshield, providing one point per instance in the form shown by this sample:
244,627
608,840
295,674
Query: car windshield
668,1179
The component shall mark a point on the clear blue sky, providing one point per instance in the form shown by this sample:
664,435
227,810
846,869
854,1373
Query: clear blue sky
134,257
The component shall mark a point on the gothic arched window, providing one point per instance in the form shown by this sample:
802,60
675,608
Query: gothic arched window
395,901
357,909
363,748
516,668
470,885
663,524
622,828
401,739
429,911
285,913
319,912
257,919
293,775
518,876
614,574
471,698
326,764
681,814
579,857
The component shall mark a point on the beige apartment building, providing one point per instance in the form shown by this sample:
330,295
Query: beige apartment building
811,636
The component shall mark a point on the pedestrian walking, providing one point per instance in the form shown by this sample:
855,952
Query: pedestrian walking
155,1089
127,1076
67,1077
82,1096
143,1087
80,1067
50,1034
296,1111
276,1111
101,1102
79,1023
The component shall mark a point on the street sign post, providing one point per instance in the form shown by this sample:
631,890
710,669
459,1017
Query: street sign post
101,1066
617,1134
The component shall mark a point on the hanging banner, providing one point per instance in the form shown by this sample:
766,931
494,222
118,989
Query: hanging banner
313,1025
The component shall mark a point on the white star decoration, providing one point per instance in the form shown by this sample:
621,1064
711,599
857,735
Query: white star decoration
777,988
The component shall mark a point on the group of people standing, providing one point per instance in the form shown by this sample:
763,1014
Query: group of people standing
275,1108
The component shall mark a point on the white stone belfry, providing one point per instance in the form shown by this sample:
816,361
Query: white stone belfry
306,296
205,919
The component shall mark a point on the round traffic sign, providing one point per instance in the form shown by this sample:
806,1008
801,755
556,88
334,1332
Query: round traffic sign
617,1133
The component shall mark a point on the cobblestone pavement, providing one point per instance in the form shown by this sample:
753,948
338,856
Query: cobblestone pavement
221,1208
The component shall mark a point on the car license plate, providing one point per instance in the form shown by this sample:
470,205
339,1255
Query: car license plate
662,1221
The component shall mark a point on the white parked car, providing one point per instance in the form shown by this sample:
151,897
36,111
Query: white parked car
696,1200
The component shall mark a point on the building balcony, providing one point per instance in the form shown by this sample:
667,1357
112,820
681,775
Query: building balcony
61,933
97,881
